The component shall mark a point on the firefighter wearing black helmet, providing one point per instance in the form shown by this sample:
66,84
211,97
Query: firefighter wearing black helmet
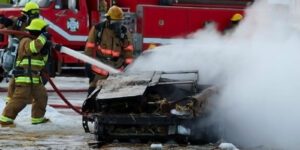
32,53
109,43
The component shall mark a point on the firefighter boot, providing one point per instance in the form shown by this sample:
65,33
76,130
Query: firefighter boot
7,124
44,120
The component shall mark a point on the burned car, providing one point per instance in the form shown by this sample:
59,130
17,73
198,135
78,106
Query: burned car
155,106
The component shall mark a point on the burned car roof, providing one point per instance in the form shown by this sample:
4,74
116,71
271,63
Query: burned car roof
135,84
125,85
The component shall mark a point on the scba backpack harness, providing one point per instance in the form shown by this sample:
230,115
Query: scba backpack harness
9,56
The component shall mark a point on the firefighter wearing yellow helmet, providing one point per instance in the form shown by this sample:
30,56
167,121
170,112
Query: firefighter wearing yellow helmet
36,25
110,43
115,13
237,17
29,12
234,21
31,8
31,60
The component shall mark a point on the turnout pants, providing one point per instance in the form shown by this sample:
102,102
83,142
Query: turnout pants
10,89
26,94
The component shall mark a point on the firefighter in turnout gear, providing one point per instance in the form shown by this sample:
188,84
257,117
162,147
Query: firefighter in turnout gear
109,43
29,12
236,18
234,22
31,60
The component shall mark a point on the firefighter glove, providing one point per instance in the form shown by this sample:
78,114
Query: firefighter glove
57,47
23,18
20,22
6,21
47,35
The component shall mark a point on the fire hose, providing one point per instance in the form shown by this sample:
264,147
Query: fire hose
4,31
70,52
60,94
14,32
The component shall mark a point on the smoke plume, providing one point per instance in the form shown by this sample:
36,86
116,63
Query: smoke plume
256,68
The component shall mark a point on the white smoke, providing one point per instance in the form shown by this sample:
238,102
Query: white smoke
256,68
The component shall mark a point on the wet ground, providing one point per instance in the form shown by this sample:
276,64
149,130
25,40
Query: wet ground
67,141
11,139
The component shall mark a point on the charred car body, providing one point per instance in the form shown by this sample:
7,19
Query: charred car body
154,106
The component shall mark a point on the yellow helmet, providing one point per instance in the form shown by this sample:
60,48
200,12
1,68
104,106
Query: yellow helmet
236,17
37,24
31,6
115,13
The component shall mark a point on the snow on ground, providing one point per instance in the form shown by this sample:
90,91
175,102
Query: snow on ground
62,83
59,122
63,132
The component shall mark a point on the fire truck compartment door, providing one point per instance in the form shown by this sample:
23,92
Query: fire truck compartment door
163,22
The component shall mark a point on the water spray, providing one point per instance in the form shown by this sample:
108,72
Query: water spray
88,59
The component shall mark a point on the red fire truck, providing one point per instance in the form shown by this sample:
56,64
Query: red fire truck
150,21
